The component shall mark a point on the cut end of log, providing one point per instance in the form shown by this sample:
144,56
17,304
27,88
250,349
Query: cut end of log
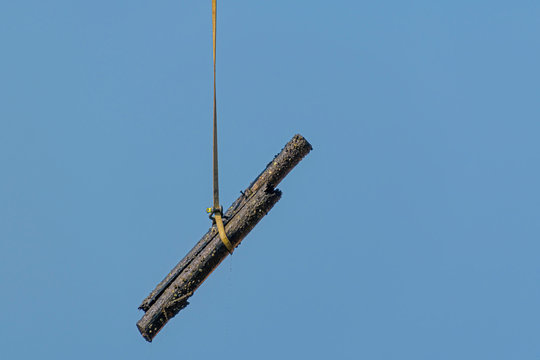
143,333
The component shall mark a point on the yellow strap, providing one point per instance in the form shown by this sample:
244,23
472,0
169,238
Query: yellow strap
215,147
217,206
222,235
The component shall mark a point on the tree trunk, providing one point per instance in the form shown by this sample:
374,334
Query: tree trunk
171,294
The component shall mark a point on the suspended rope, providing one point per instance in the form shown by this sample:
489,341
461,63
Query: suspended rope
216,212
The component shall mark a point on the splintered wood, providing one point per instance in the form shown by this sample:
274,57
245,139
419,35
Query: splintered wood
172,293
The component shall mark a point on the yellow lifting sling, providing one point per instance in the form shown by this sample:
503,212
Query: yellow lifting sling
217,210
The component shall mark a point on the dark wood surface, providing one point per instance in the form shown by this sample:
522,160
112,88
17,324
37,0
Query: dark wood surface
172,293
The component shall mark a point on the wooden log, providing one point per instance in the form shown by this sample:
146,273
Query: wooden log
171,294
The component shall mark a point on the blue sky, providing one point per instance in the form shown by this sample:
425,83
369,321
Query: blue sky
410,232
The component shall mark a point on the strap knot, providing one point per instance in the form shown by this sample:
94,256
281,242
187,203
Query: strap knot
216,215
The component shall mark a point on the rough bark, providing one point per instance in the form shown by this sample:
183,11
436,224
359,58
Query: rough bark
171,294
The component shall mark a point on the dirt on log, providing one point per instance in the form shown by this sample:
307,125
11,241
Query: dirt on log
171,294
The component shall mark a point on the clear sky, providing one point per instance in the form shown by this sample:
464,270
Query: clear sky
410,232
